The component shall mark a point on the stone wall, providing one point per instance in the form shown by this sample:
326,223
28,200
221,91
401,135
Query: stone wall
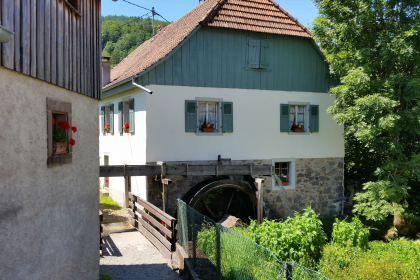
319,183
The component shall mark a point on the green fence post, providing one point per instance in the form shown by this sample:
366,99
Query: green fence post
287,268
194,239
218,263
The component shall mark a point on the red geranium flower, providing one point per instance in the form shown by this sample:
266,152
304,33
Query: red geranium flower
53,120
107,181
64,125
74,129
127,125
162,222
72,142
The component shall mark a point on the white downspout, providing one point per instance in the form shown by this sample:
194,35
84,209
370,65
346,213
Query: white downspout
140,86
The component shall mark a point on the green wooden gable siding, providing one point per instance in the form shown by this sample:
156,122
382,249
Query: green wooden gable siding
217,57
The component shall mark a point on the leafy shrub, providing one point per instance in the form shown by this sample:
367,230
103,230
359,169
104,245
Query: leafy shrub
350,234
395,260
299,239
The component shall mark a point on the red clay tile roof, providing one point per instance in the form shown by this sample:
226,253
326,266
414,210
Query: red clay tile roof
252,15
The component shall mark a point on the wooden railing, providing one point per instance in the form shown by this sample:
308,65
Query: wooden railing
149,222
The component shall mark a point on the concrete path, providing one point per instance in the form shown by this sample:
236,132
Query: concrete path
130,256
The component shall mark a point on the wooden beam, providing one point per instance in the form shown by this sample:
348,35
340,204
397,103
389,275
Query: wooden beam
260,201
200,170
130,170
165,183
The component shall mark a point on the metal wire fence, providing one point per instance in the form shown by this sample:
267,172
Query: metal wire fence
233,255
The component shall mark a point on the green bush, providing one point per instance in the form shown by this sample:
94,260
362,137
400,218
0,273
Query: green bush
350,234
299,239
395,260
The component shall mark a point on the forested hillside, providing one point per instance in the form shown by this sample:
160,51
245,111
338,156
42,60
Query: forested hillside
121,35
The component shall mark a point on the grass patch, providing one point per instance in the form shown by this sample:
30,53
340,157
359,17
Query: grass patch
105,276
395,260
106,202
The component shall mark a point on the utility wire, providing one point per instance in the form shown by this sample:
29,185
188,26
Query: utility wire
146,9
137,5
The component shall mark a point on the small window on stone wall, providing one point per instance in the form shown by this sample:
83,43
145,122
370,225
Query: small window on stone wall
59,129
284,169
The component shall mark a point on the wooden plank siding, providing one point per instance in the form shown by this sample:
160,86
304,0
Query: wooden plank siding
217,57
53,43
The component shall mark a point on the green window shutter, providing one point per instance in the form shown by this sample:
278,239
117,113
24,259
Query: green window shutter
284,118
264,61
190,116
314,118
102,119
254,51
227,121
111,118
120,117
131,115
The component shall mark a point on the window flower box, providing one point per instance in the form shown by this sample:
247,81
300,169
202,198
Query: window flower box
107,128
207,127
59,148
298,128
126,128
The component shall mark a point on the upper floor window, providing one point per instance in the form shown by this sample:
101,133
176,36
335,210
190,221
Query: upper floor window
107,119
299,117
257,54
126,116
208,115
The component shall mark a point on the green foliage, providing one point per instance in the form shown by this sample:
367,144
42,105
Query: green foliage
105,276
59,135
351,234
373,48
299,239
121,35
106,202
395,260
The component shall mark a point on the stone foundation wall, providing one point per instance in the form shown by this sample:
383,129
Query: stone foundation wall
319,183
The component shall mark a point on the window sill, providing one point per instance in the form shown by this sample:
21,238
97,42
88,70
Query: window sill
300,133
257,69
209,133
288,187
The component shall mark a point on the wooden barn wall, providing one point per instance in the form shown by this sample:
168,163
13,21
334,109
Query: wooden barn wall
217,57
55,44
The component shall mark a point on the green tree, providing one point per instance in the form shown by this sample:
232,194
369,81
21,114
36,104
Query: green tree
121,35
373,47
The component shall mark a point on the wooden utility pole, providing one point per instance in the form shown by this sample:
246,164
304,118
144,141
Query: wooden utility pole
153,20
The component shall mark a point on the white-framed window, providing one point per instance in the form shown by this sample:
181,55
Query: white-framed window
208,115
284,167
298,118
107,118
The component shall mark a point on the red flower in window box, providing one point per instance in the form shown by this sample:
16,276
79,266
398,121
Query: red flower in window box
207,127
74,129
107,128
126,127
53,121
298,128
163,223
72,142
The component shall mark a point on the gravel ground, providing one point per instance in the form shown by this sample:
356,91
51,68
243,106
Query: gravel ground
129,256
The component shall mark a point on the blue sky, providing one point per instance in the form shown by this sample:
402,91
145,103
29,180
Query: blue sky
303,10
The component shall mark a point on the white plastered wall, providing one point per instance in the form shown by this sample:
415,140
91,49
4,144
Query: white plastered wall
256,126
48,216
126,148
